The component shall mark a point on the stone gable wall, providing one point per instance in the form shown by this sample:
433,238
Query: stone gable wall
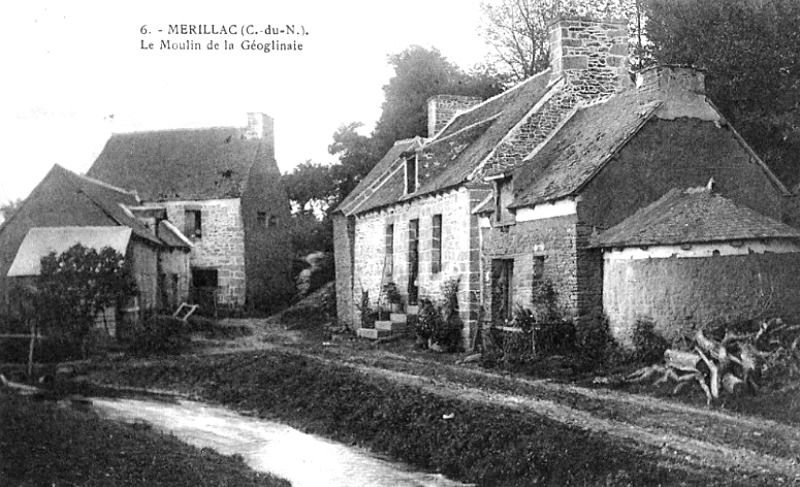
221,246
442,109
343,240
460,250
552,238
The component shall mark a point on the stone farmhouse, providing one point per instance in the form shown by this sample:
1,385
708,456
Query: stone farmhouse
65,209
509,193
222,187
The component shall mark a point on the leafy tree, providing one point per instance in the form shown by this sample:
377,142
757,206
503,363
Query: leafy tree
749,51
420,74
311,187
77,284
357,156
8,209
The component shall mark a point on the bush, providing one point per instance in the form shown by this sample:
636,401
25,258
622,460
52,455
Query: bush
649,345
160,334
441,323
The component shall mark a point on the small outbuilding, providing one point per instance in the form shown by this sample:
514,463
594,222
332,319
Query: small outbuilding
693,257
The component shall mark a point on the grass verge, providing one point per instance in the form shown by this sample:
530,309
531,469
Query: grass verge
44,444
464,441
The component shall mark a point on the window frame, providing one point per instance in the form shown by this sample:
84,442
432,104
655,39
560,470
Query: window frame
194,215
436,243
414,160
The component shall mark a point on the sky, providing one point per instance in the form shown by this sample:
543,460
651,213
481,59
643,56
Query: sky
77,71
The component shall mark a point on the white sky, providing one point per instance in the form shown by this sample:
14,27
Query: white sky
69,66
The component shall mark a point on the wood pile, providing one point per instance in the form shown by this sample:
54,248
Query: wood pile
734,364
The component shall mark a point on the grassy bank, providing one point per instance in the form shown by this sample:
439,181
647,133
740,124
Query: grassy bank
44,444
465,441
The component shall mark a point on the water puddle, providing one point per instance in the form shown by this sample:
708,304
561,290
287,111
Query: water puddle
303,459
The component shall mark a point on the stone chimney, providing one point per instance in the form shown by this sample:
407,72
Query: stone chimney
673,81
259,126
442,109
591,55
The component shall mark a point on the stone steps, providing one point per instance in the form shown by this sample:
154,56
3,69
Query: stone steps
394,327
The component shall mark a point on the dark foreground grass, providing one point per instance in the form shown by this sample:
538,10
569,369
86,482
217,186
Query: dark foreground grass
45,444
466,441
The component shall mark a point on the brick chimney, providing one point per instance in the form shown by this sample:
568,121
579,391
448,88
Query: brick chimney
259,126
591,55
442,109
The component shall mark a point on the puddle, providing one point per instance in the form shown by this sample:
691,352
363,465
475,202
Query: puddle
303,459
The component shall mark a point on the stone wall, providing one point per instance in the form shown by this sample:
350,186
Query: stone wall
551,238
343,240
681,294
460,250
221,246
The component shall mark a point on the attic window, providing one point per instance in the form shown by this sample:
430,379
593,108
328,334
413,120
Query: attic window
502,200
411,174
261,219
193,224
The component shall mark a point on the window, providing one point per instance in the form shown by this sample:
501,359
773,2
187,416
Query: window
436,244
192,224
204,278
388,242
411,174
538,268
273,221
502,199
261,219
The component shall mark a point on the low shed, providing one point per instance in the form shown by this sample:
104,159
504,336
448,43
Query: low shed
694,257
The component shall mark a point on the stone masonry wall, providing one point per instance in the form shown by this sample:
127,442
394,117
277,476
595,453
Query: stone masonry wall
221,246
551,238
680,294
460,250
343,240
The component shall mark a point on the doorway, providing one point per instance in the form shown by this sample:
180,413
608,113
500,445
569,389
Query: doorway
413,262
502,276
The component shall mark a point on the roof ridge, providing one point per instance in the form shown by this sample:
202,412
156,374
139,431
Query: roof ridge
102,183
185,129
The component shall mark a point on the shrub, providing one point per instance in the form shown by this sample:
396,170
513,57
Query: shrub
160,334
649,345
441,322
368,315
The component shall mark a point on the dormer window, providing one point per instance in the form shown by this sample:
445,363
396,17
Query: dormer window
411,174
502,199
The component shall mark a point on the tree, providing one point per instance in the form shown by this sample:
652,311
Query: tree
8,209
518,30
357,156
749,51
77,284
420,74
311,188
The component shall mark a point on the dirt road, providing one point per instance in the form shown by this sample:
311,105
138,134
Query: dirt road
700,436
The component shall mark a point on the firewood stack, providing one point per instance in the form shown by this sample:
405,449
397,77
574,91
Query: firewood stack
739,362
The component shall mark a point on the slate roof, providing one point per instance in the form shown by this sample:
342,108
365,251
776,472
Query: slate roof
582,146
186,164
111,200
367,186
39,242
695,215
462,146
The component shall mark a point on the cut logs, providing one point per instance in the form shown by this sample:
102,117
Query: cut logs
732,365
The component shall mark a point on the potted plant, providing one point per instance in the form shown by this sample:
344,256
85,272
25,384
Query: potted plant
393,297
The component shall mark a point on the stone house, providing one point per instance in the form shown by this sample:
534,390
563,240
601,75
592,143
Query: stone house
618,148
221,186
65,209
518,184
694,257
